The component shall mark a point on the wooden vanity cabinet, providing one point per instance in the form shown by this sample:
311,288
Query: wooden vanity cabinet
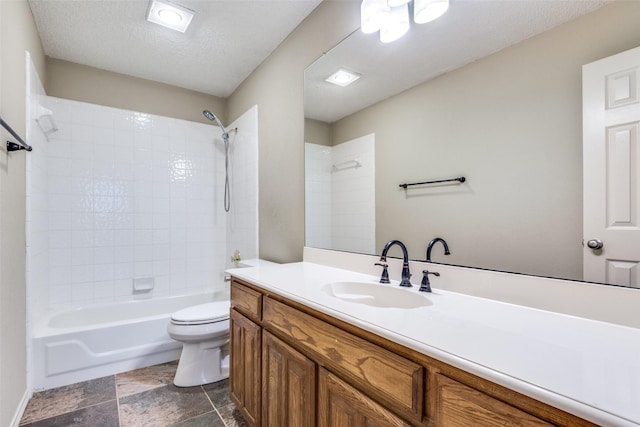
246,352
341,405
292,366
245,366
289,385
460,405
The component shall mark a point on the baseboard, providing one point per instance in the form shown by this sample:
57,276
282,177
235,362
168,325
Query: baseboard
20,409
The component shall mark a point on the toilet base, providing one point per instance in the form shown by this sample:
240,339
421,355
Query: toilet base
202,363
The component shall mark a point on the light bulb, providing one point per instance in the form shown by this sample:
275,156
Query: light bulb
397,25
428,10
169,16
396,3
373,13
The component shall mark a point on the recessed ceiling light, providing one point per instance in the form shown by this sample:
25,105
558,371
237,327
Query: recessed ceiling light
169,15
342,77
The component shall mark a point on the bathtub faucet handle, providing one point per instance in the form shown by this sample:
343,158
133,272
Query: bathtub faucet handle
236,258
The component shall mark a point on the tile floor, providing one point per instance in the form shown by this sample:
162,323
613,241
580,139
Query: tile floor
144,397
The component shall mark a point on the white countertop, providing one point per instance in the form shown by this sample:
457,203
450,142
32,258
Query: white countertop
585,367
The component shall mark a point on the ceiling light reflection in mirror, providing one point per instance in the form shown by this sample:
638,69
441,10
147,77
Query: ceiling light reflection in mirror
342,77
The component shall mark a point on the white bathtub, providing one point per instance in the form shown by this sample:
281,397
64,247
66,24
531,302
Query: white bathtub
96,341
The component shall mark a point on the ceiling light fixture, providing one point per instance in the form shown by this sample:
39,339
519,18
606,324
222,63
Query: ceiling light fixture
170,15
391,17
342,77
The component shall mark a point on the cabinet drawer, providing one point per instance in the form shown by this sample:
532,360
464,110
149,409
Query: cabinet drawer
460,405
396,381
341,405
246,300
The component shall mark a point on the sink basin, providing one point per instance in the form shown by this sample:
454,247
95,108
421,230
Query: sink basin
376,295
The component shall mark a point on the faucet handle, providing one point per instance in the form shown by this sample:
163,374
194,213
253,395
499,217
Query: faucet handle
385,273
425,286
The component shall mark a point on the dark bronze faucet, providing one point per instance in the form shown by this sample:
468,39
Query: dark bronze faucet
425,286
406,274
433,242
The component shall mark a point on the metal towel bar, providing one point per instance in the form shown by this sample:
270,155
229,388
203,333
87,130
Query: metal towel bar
460,179
12,146
346,165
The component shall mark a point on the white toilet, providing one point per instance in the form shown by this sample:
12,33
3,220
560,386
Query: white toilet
204,332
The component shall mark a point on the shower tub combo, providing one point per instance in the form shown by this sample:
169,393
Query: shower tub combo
96,341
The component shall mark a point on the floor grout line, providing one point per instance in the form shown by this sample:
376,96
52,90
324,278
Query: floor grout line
215,408
115,382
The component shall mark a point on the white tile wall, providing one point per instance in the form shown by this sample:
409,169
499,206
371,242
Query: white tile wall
37,232
127,194
37,200
340,202
242,219
318,195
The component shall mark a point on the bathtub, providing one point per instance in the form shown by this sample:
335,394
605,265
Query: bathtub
100,340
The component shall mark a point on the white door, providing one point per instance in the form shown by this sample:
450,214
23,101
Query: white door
611,169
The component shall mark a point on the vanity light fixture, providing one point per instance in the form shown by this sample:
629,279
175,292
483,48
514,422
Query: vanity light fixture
170,15
429,10
342,77
391,17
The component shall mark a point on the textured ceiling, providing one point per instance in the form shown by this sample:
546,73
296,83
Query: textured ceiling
226,41
470,30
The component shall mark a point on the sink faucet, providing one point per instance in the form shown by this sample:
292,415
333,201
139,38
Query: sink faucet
425,286
406,274
433,242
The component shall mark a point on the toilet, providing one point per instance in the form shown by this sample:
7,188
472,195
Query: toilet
204,332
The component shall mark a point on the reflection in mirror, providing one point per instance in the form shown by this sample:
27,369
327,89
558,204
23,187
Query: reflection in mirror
340,188
510,122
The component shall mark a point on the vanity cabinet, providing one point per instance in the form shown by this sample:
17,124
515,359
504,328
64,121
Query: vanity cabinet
246,352
340,405
460,405
294,366
289,388
244,367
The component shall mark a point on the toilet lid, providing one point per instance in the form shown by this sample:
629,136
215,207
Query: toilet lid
210,312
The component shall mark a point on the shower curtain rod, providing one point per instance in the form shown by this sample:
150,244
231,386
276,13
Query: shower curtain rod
12,146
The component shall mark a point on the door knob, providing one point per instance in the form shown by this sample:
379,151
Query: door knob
595,244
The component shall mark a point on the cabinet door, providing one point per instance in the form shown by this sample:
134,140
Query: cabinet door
244,375
340,405
288,385
461,406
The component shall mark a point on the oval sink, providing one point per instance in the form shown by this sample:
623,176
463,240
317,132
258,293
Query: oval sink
376,295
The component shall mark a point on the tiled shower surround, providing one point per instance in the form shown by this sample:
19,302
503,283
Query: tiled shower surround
340,195
116,195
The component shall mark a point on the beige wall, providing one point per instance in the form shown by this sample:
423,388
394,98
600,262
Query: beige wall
317,132
277,87
18,33
512,124
87,84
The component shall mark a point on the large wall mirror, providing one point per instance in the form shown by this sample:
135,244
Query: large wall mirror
492,91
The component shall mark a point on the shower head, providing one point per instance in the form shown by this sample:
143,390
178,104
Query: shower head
209,115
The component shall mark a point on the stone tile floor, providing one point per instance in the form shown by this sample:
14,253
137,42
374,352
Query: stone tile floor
144,397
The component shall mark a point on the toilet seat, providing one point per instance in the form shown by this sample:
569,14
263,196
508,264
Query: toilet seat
202,314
